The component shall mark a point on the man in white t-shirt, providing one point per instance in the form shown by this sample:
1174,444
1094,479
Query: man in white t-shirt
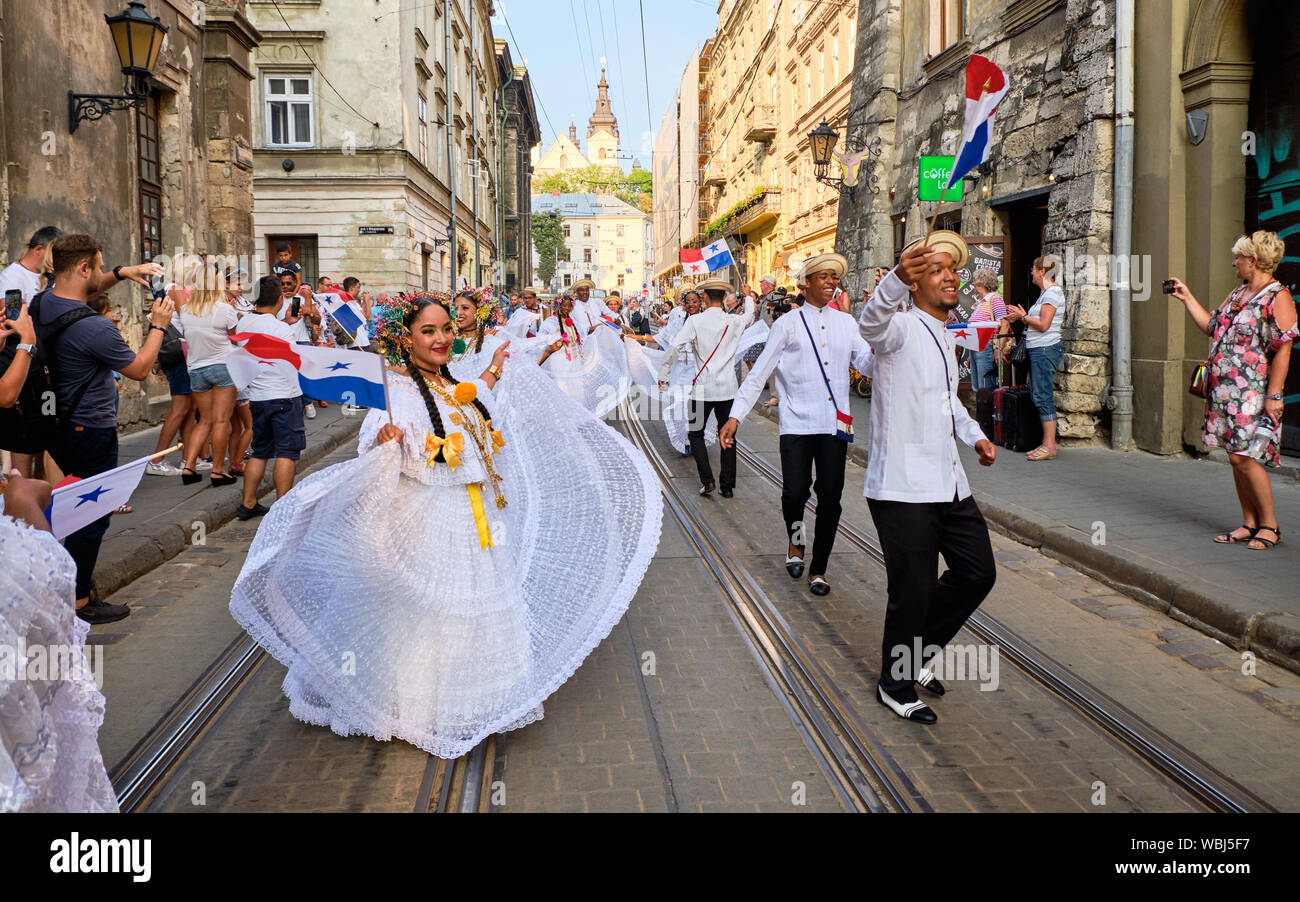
275,401
24,274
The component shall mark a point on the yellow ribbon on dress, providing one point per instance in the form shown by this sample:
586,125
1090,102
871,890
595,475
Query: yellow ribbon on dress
480,516
498,442
451,447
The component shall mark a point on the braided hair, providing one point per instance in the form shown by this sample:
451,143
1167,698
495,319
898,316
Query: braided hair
417,376
479,329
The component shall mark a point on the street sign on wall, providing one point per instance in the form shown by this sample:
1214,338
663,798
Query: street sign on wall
932,175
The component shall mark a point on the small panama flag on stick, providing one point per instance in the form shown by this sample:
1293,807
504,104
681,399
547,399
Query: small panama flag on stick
986,85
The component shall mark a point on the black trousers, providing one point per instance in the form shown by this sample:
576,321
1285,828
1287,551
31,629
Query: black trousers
86,452
922,607
799,455
699,413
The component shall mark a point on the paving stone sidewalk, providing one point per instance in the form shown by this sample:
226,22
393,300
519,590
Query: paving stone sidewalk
1144,525
167,513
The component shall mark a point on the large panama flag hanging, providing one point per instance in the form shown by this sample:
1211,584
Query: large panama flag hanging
985,86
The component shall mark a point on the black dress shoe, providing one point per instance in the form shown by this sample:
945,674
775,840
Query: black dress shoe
914,710
96,611
794,566
927,681
708,489
819,586
726,493
248,513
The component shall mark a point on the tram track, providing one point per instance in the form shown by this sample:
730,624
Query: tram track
864,775
1210,787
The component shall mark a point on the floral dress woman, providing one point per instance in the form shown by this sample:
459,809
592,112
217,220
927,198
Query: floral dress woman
1245,337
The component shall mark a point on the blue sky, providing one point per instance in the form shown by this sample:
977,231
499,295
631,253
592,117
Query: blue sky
564,69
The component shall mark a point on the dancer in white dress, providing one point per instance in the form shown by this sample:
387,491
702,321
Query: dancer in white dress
585,357
675,401
49,722
453,614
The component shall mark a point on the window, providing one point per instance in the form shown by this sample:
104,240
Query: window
620,280
422,125
564,161
619,230
566,230
586,230
586,255
945,24
146,124
619,255
568,279
289,111
821,70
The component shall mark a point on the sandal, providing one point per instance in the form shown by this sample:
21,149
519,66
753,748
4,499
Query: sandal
1227,538
1041,453
125,509
1267,543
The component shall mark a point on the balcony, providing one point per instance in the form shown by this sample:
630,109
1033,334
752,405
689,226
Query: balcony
767,208
715,178
761,122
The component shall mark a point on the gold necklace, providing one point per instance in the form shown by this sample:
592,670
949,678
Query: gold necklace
480,432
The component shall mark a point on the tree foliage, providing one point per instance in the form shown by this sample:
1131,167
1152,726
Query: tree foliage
548,238
634,188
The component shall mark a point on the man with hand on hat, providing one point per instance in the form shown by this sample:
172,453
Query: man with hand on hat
714,335
810,350
917,490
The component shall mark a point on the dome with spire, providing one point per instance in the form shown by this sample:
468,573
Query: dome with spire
604,115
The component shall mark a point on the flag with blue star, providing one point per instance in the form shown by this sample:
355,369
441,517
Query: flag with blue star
78,504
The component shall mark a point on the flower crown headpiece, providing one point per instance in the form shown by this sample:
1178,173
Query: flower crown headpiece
393,336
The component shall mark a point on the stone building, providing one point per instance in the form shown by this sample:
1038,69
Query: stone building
1048,185
1214,108
606,240
519,134
373,144
174,173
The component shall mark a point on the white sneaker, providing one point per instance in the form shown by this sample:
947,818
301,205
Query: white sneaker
310,411
204,463
162,468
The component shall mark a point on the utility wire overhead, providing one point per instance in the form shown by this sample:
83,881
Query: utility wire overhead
317,68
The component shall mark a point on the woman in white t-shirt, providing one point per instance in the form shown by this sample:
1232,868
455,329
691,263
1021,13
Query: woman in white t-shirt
1043,340
208,324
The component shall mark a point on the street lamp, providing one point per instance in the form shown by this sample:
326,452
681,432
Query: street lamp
821,143
138,39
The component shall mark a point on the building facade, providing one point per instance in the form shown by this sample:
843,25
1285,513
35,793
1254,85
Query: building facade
376,141
1049,184
519,133
606,240
566,154
174,174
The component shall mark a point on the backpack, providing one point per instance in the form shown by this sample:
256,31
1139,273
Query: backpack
40,376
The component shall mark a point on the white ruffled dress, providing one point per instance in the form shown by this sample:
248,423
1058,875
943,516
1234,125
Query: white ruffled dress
593,369
49,728
417,631
673,406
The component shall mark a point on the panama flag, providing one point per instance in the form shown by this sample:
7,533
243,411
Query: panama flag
985,86
973,336
706,259
609,321
345,313
325,374
83,501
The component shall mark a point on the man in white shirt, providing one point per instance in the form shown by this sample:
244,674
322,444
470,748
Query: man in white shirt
713,336
525,321
917,490
275,401
24,274
810,350
591,310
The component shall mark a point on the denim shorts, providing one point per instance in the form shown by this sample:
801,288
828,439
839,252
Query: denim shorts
206,378
1042,367
178,380
278,428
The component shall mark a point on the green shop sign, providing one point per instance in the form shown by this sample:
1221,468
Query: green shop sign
932,175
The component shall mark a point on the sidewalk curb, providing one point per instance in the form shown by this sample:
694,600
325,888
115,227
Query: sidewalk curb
1273,636
125,558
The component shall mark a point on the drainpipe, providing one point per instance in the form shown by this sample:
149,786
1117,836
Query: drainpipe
501,175
1121,325
478,167
451,145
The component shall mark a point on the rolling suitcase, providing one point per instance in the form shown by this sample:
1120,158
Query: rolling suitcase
1021,428
984,411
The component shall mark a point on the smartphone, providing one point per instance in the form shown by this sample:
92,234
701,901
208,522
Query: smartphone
296,305
1169,286
13,304
157,287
